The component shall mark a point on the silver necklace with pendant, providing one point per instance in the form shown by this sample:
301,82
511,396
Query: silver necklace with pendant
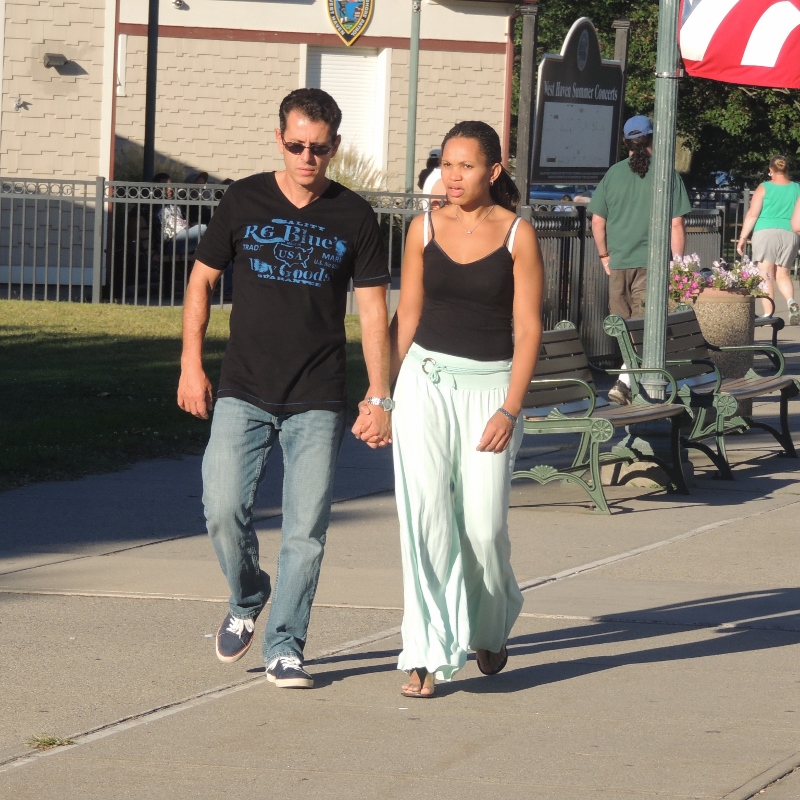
458,220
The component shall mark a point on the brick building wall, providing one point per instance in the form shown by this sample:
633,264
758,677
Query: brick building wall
453,86
57,132
217,104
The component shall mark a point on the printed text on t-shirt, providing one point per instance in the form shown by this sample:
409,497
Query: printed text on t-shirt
295,252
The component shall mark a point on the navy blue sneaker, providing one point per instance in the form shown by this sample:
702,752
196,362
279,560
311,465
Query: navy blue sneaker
234,638
287,672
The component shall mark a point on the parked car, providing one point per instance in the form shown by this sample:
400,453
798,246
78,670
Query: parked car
716,186
579,192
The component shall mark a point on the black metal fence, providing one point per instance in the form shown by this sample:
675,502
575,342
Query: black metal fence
575,284
139,250
732,205
50,238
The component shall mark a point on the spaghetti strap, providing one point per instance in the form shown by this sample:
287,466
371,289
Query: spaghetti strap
512,232
428,232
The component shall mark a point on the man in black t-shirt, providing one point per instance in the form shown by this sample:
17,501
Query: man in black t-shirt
296,240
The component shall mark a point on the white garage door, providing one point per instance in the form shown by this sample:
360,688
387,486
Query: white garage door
351,78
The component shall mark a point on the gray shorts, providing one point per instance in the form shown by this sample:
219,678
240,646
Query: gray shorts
775,246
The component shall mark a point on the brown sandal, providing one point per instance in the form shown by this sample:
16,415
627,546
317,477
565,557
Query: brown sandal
422,675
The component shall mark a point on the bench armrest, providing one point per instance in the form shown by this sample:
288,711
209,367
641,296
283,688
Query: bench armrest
772,353
650,371
590,393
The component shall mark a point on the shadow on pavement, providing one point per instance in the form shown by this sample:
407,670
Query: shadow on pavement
741,621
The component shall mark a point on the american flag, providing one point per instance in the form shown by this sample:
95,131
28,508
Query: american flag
751,42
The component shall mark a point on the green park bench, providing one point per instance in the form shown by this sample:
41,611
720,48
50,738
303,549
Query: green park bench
562,399
715,402
776,323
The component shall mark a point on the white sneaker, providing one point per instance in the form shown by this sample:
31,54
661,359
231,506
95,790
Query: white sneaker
620,394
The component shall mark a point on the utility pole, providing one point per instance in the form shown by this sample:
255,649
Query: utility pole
148,167
526,106
663,166
622,31
413,79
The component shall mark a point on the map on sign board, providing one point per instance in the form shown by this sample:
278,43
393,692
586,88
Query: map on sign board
575,135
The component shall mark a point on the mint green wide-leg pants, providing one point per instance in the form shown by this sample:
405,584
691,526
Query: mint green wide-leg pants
460,592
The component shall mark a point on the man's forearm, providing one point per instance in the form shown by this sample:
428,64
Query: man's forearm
194,389
600,242
375,344
599,234
196,314
678,237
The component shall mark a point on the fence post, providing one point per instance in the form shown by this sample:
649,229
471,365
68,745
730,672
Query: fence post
577,275
97,253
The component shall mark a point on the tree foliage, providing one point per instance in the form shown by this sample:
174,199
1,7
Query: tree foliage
727,127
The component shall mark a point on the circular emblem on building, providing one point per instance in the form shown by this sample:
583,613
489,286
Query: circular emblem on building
583,50
349,18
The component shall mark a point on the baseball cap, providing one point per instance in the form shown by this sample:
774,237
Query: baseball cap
637,126
436,152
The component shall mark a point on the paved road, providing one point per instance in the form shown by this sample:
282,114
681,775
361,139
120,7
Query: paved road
657,655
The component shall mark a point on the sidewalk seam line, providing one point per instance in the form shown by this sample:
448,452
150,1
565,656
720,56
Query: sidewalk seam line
764,779
168,709
535,583
134,720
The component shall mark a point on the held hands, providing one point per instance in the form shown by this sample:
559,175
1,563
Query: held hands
194,393
497,434
373,426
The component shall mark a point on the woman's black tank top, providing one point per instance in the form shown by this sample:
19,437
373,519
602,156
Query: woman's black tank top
467,309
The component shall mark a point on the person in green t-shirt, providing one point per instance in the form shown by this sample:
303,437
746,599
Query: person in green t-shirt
621,227
774,243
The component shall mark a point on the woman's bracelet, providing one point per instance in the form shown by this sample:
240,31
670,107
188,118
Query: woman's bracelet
508,414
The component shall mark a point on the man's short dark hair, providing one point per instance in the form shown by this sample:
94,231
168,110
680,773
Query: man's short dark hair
314,104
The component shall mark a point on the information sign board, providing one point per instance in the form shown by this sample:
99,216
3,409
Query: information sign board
578,104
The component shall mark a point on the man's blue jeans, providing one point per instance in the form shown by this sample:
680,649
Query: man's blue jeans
185,241
242,438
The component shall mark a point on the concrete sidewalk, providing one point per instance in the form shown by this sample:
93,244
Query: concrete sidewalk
657,655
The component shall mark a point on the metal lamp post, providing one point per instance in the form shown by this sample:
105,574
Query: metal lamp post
527,106
663,166
413,79
148,166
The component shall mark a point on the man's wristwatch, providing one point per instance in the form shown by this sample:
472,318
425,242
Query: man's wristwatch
386,403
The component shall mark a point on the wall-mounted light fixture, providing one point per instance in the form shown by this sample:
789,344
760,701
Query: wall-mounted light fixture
54,59
19,104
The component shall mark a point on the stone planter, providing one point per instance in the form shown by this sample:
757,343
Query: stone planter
727,318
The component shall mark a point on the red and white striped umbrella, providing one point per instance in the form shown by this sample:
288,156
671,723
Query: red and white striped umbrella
751,42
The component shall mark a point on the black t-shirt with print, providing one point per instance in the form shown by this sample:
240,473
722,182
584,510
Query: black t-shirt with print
291,270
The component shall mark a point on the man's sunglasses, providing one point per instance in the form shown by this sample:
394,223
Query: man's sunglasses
296,148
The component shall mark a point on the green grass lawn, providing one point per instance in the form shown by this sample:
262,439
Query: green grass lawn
92,388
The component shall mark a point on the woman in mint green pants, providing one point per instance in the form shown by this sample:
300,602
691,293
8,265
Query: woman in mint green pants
467,333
